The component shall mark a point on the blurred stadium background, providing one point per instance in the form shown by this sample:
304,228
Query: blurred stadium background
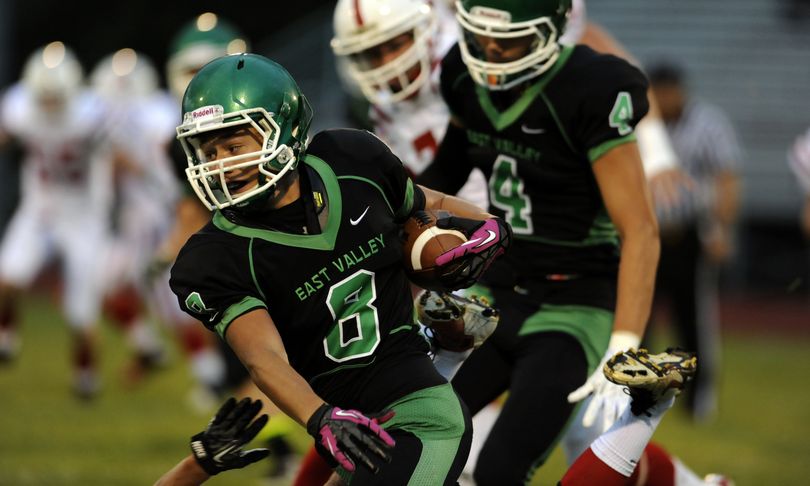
750,57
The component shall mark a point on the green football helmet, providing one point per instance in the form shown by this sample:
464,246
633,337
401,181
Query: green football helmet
204,39
539,22
243,90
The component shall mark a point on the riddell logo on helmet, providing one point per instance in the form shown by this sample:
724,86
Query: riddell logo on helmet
206,112
491,13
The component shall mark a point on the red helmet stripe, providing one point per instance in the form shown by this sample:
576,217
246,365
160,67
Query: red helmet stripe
357,15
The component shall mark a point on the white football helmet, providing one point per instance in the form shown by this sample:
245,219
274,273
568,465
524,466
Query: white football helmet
54,76
364,24
125,75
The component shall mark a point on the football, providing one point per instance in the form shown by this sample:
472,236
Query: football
423,243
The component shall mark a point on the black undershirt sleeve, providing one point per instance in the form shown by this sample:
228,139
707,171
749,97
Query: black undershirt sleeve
450,169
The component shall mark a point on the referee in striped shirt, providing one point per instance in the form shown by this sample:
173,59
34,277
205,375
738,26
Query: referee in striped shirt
696,231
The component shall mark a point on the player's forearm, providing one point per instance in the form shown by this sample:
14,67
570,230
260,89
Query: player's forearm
285,387
455,205
186,473
639,262
255,340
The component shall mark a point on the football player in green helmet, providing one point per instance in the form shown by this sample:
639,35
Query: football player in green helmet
277,118
205,38
198,42
301,272
552,127
507,42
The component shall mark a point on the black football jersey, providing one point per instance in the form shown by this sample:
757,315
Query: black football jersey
339,298
536,148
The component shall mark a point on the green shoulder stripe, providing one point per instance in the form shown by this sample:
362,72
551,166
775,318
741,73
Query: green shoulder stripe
242,307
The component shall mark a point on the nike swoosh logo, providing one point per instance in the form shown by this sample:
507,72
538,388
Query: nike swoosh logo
345,413
532,131
354,222
218,457
211,319
491,237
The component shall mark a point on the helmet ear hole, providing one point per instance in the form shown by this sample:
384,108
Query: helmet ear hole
282,159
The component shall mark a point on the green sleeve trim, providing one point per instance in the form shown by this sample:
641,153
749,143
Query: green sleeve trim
240,308
595,153
373,184
407,204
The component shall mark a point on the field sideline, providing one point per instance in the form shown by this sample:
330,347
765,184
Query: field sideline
129,437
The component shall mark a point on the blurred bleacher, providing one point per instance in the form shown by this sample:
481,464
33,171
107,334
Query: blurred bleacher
751,58
747,56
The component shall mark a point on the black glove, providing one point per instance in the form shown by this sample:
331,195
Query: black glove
463,265
219,447
348,435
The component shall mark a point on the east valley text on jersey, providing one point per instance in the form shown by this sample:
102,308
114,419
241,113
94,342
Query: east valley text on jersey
536,150
340,298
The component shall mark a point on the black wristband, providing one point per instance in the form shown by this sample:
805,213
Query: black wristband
201,455
314,422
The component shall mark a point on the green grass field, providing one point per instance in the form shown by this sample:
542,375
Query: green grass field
130,437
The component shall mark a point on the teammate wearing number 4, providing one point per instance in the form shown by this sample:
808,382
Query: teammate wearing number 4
559,151
318,309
